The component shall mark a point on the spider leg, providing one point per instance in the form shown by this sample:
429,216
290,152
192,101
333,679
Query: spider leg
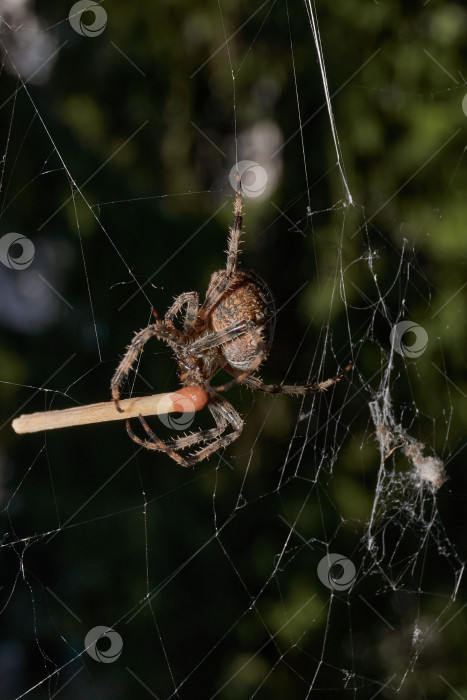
235,233
242,376
170,335
225,280
257,384
213,339
223,413
191,301
154,443
175,443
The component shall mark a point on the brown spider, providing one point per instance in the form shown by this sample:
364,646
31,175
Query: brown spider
233,330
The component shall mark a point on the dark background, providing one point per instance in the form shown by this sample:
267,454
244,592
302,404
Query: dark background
90,526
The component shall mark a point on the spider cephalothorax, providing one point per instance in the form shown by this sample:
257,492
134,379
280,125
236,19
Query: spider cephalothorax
232,329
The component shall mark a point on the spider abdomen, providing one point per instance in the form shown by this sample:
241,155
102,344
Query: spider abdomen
248,300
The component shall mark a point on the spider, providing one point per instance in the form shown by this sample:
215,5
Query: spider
232,329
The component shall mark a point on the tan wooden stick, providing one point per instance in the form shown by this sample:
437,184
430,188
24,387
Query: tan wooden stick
186,400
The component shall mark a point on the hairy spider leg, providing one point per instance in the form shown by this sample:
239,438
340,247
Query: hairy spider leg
191,301
224,415
262,354
176,340
226,279
257,384
171,336
212,339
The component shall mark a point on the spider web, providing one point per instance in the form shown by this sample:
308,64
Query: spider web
320,555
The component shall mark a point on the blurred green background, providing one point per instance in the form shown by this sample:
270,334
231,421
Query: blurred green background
118,152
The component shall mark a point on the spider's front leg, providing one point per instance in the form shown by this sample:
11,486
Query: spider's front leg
223,279
191,301
169,334
213,339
